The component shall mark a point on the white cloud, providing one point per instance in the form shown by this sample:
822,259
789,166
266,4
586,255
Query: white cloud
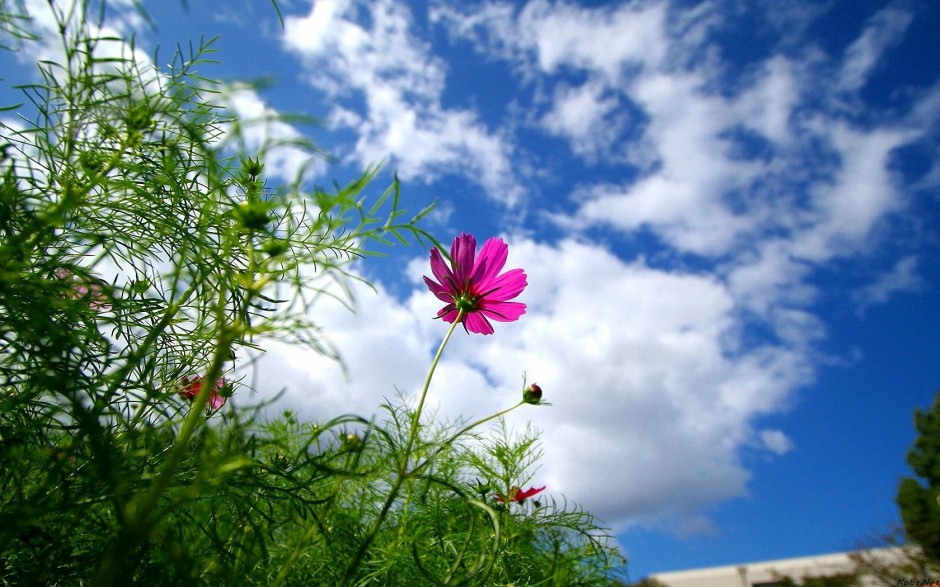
643,377
402,83
124,17
885,28
651,398
603,40
552,36
588,116
769,276
768,104
904,277
861,193
776,441
703,197
384,346
628,54
717,169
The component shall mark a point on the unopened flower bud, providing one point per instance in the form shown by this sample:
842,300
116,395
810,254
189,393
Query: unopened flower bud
532,394
227,389
139,117
252,215
274,247
483,488
253,167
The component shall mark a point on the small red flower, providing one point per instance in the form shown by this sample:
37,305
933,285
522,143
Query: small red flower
518,495
192,385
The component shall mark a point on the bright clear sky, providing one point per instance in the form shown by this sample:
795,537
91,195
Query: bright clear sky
727,209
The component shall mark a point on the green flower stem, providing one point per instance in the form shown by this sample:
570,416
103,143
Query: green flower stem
223,351
415,422
139,516
402,473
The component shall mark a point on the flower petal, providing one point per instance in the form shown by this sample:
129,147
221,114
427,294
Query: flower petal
476,322
462,253
502,311
490,262
216,401
448,313
506,286
440,292
520,495
441,271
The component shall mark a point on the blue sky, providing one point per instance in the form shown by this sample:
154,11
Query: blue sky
727,210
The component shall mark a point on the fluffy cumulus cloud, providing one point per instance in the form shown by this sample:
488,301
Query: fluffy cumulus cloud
715,166
650,393
641,366
589,117
366,53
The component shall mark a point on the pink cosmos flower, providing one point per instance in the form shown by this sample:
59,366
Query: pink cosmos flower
192,385
474,285
518,495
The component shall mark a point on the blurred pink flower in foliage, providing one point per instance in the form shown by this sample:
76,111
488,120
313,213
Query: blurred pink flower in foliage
473,284
85,289
517,495
191,386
